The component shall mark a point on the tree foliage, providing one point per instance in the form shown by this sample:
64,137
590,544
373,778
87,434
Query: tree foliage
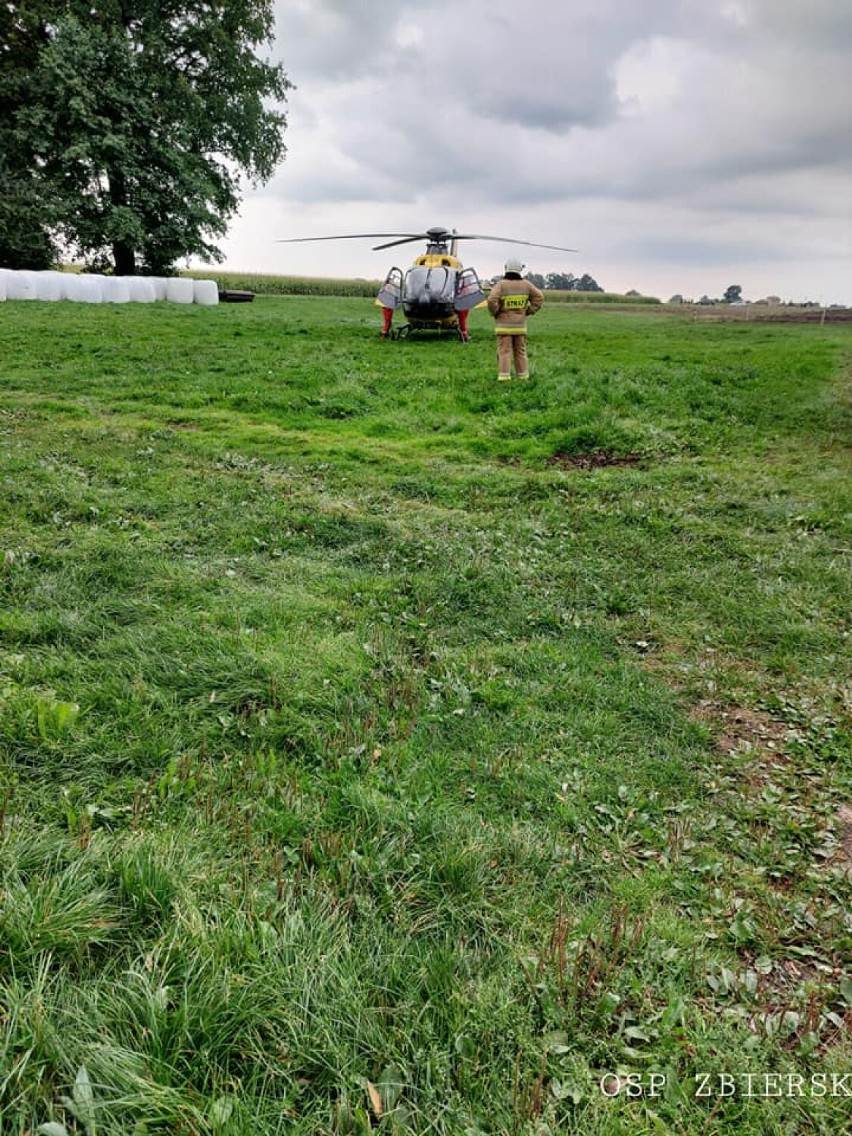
141,117
565,282
733,294
25,240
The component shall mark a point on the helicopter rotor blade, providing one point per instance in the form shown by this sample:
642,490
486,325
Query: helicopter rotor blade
391,240
508,241
348,237
405,241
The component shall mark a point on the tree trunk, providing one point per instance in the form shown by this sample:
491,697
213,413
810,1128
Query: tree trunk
123,253
124,259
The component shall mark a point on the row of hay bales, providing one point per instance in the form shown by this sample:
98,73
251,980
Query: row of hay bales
91,288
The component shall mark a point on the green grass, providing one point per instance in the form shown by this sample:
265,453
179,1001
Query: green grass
383,748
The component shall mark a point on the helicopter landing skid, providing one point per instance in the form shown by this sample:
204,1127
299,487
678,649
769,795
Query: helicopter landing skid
406,329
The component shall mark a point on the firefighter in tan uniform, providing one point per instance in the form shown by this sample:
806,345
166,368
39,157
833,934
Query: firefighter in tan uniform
510,301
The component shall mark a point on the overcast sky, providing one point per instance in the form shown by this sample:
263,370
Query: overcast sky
679,145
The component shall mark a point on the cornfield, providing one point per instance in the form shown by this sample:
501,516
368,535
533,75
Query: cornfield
269,285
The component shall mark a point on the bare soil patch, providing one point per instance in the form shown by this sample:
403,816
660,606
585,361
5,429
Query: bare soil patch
739,728
844,824
598,459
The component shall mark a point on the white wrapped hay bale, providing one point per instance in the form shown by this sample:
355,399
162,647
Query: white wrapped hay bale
49,285
73,287
159,283
2,284
85,288
141,289
91,285
116,290
179,290
205,292
61,279
20,285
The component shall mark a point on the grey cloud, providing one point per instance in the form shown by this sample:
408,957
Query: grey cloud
688,250
333,40
457,87
818,24
328,188
550,68
817,192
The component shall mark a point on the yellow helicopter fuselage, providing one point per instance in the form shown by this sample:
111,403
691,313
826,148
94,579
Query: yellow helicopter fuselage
438,260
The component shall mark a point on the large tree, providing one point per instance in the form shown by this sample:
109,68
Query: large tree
143,116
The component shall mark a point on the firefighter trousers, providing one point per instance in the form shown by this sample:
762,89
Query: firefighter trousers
512,348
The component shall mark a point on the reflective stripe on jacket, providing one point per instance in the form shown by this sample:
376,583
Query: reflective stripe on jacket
510,301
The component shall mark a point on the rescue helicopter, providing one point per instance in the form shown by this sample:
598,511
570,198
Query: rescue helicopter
437,292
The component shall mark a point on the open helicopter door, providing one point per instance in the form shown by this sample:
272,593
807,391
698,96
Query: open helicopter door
468,290
390,294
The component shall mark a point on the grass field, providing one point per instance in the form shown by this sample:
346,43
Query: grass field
388,749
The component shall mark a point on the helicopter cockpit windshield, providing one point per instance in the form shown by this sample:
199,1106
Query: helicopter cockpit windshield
436,285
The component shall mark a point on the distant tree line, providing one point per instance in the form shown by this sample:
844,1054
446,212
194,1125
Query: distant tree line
733,294
564,282
128,125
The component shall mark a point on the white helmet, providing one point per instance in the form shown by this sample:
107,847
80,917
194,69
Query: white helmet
515,264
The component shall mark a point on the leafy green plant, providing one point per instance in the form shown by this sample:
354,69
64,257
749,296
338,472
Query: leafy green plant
81,1105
